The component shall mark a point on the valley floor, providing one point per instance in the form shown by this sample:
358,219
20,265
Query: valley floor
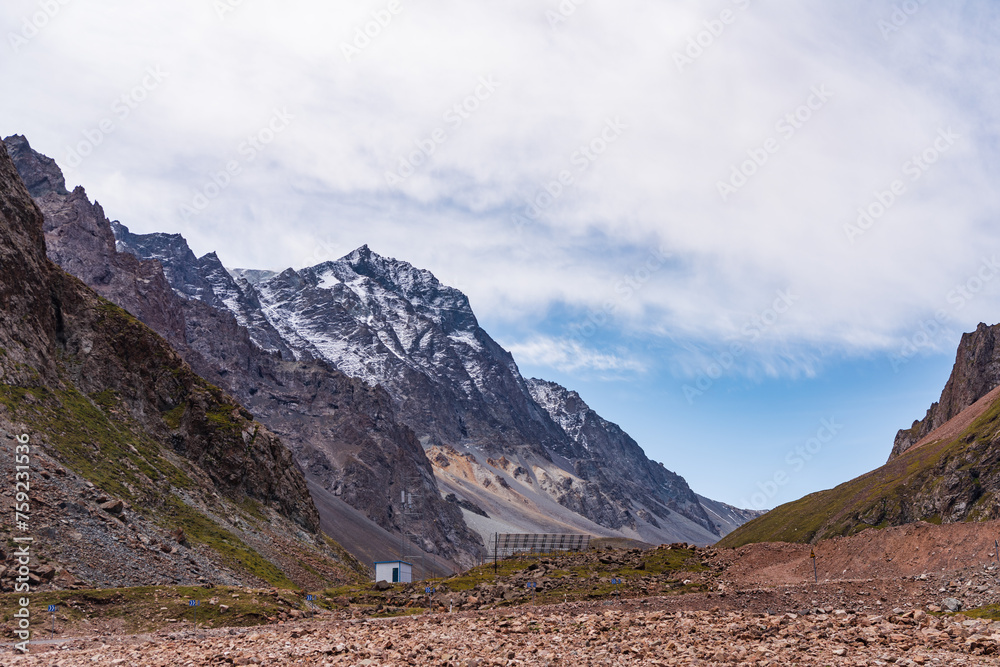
880,599
636,632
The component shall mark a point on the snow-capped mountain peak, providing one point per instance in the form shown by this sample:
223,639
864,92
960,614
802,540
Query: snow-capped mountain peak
391,324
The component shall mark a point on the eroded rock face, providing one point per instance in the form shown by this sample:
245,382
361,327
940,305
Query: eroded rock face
344,433
396,326
364,363
78,238
975,374
41,174
607,454
85,378
26,294
393,324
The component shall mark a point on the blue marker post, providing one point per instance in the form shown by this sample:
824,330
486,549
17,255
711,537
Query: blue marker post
52,610
430,591
532,586
194,604
618,594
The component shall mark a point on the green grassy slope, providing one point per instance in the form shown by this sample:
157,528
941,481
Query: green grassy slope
942,481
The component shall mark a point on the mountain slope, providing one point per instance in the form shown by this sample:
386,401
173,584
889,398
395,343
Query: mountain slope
389,323
952,474
344,433
164,476
433,406
397,326
727,517
601,446
976,373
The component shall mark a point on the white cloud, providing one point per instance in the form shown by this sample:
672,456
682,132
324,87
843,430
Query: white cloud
322,182
570,356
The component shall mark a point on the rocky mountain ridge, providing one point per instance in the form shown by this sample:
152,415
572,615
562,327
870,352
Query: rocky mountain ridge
381,381
976,372
398,327
139,469
945,469
599,441
344,433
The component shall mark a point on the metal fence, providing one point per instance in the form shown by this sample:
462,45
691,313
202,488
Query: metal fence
508,544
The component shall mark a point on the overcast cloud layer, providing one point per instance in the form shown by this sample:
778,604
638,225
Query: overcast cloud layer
642,109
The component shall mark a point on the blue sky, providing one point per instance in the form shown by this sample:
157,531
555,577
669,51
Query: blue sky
789,207
732,442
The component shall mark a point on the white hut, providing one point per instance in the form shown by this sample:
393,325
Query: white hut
394,571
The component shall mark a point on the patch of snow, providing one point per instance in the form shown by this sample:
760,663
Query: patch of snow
466,338
328,281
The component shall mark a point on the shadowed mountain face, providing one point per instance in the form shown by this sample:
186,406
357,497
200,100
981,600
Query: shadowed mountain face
378,377
603,452
343,432
114,416
397,327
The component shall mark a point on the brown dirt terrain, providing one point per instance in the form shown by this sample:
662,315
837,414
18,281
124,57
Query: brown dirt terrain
877,602
638,633
903,551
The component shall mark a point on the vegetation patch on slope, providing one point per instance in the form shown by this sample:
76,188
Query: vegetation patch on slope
150,608
89,432
542,579
939,482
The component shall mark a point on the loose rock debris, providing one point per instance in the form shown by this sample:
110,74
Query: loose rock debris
559,635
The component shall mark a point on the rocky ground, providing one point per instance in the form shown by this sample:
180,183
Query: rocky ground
643,632
678,606
86,538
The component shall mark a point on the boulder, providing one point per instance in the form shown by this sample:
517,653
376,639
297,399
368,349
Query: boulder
113,506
